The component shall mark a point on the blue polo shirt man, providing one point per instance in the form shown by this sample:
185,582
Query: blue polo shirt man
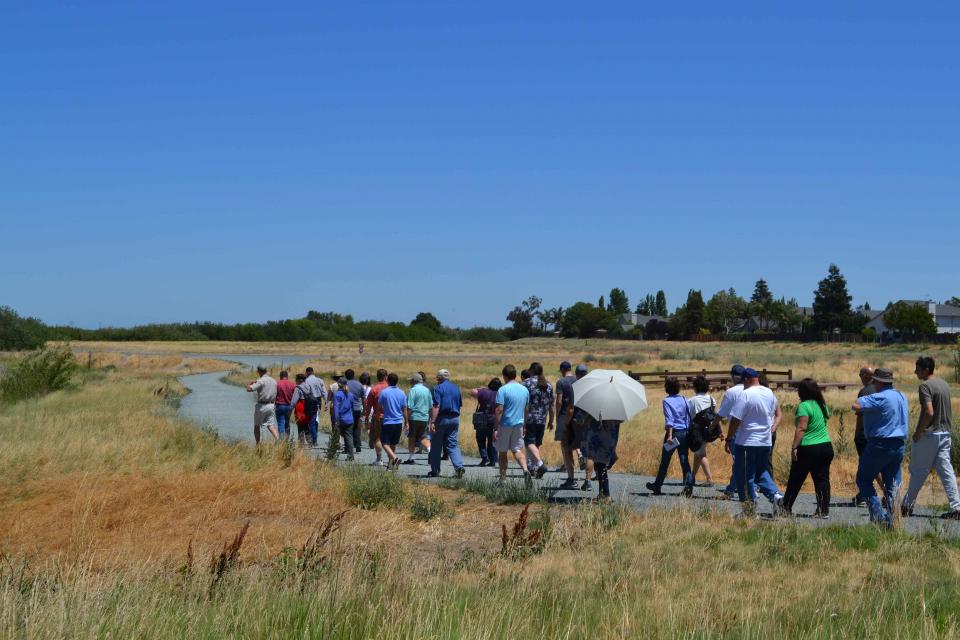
445,425
885,414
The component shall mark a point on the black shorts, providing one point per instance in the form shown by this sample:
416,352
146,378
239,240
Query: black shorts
533,434
418,430
390,434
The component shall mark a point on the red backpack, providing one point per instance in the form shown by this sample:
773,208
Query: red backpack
300,413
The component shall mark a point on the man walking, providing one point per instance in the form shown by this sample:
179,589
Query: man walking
393,405
885,414
341,407
375,416
860,440
564,401
285,389
508,421
264,413
539,418
730,398
753,420
313,403
579,425
932,440
445,424
419,403
356,388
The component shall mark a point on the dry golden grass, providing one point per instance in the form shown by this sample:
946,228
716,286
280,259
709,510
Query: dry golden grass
102,490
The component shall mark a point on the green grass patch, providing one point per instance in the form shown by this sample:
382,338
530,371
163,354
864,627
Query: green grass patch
370,488
506,492
426,506
38,374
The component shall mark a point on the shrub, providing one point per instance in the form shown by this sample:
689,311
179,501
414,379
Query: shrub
20,333
426,506
38,374
370,488
509,492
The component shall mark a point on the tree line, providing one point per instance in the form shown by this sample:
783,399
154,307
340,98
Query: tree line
724,313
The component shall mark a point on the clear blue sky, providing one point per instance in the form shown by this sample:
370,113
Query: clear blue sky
237,161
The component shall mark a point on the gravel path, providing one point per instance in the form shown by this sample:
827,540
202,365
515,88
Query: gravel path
229,409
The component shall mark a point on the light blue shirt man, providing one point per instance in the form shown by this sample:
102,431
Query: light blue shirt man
885,414
513,397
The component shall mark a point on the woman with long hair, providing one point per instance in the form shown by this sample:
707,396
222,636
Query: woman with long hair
812,451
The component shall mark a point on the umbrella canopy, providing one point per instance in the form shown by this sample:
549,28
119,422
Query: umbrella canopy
609,394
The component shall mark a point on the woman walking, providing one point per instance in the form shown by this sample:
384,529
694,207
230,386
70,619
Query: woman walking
676,418
699,402
483,421
601,447
812,451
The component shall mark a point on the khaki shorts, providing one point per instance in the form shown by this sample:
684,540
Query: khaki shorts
265,415
375,426
510,439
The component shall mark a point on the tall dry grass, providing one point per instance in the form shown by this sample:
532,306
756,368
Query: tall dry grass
115,517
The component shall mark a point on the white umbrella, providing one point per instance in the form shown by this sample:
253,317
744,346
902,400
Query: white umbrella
609,394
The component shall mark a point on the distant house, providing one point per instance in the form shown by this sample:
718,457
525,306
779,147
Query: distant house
945,316
629,321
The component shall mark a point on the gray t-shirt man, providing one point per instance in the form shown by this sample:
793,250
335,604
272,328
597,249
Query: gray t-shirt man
937,392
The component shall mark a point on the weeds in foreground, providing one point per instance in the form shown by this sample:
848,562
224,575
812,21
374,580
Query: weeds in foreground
228,559
520,543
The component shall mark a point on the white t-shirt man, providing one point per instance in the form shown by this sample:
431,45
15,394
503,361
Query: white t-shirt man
755,409
729,399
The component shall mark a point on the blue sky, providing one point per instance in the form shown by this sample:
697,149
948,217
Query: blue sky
250,161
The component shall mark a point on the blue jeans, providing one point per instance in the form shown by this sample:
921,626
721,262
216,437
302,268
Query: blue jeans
313,429
883,456
751,469
283,418
683,453
446,436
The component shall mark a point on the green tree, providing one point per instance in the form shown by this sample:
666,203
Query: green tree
761,302
912,321
660,309
427,320
724,311
688,320
831,302
601,304
551,317
20,333
583,319
648,307
523,317
618,302
954,301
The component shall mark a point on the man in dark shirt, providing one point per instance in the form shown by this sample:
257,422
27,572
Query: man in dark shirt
445,424
564,400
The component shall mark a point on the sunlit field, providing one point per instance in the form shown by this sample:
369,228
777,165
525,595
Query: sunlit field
119,520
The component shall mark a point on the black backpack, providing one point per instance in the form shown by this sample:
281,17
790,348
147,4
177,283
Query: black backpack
700,427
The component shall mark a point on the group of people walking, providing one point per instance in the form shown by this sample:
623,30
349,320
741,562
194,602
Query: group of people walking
511,419
753,414
513,416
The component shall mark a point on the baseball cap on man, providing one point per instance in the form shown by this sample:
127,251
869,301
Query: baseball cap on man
737,370
883,375
581,368
565,366
443,373
415,378
749,373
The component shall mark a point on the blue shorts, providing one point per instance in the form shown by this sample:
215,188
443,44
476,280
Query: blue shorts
390,434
